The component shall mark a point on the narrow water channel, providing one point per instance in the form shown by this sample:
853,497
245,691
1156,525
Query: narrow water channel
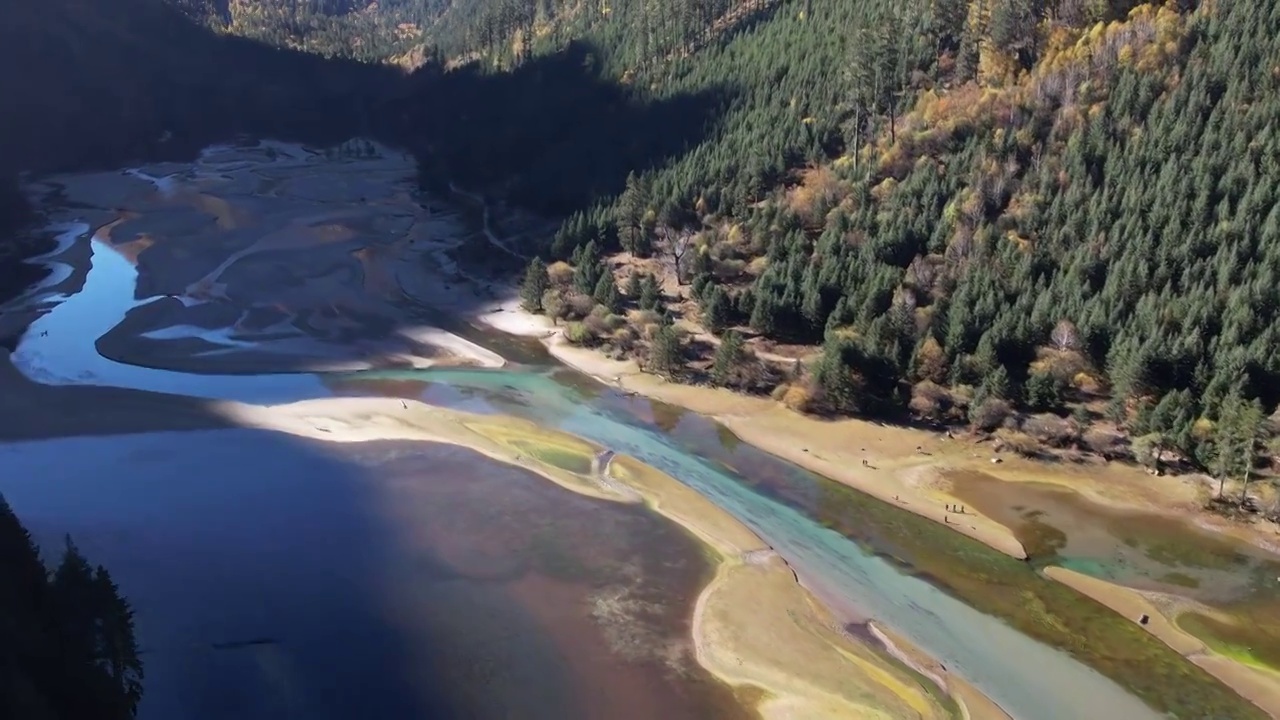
1021,639
1027,678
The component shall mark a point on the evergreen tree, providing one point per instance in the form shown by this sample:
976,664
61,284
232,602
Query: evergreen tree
606,292
651,295
716,309
665,351
535,285
728,358
588,267
1043,392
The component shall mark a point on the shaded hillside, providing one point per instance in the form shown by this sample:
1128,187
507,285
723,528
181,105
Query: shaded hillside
86,86
67,650
92,86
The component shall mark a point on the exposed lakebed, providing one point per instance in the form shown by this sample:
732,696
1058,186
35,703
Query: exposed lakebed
1000,625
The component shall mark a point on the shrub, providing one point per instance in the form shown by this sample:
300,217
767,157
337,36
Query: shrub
929,400
989,414
799,397
554,305
560,273
1107,443
1020,443
1050,429
579,334
580,305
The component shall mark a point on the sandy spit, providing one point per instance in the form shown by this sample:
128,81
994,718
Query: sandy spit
905,467
754,624
833,448
1259,686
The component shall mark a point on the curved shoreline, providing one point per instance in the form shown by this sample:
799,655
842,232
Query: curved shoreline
727,632
1257,685
803,441
721,621
913,482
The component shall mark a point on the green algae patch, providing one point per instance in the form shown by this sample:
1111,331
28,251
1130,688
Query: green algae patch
1014,591
548,447
1247,636
565,459
1180,579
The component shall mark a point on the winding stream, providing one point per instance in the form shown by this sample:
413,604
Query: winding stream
783,504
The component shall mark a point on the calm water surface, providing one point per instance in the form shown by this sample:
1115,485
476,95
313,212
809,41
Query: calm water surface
280,578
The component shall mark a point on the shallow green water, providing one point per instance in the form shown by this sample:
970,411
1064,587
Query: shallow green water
859,546
1239,581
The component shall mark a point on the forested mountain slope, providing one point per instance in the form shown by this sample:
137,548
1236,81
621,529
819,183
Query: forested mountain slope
950,208
982,206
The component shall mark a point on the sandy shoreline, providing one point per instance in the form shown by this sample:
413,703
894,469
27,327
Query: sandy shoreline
908,467
897,472
1260,687
754,625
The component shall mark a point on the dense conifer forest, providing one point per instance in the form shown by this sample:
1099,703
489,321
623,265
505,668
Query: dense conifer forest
67,650
1054,219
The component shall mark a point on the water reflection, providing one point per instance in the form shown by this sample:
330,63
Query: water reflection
278,578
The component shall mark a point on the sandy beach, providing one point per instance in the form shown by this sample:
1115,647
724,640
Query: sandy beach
895,472
754,624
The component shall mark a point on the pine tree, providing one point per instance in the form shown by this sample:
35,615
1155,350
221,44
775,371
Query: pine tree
589,267
633,286
606,292
535,285
664,353
716,309
118,650
1043,392
727,359
651,295
629,216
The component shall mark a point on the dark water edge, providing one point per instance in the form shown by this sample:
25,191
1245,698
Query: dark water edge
279,578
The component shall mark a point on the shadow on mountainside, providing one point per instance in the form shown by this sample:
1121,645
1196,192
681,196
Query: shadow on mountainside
553,134
92,88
